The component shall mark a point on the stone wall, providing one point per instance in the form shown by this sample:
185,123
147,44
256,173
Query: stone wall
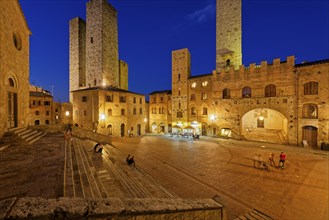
77,54
123,73
112,208
14,65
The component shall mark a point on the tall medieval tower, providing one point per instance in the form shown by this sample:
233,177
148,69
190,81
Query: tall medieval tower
94,55
181,71
228,34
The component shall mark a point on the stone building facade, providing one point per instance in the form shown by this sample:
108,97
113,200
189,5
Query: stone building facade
14,67
280,102
44,111
99,80
160,111
110,111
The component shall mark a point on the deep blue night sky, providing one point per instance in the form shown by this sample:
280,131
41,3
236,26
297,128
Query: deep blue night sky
150,29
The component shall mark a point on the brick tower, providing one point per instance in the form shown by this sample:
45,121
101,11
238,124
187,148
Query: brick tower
181,71
228,34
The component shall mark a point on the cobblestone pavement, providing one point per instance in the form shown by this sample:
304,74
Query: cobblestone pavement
208,167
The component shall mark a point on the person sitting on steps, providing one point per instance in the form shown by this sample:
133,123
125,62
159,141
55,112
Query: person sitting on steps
98,148
130,160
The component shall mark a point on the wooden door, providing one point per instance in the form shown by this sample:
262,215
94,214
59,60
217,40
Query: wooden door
310,134
12,110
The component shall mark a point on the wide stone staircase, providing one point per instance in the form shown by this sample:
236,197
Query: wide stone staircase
20,135
93,175
254,215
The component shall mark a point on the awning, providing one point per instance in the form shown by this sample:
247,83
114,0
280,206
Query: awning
189,128
176,127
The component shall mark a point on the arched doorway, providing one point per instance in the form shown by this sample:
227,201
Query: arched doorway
310,135
204,128
154,127
109,129
162,128
122,130
138,129
36,122
169,128
266,125
12,104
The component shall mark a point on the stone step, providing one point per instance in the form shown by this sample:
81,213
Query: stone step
22,132
14,129
33,136
126,184
88,177
42,134
68,189
19,130
142,184
32,132
254,215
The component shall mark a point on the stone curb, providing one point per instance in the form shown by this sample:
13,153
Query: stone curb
75,208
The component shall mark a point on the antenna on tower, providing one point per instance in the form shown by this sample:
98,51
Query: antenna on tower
52,90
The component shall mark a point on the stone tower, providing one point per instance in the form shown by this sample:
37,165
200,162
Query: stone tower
228,34
94,56
102,54
77,54
181,71
123,72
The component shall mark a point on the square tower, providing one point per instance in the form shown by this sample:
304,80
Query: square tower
102,54
181,71
77,54
228,34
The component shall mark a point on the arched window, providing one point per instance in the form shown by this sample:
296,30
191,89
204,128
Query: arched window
159,110
311,88
205,111
193,111
228,62
163,110
11,82
226,94
110,130
178,77
192,96
179,115
310,111
270,90
179,105
246,92
109,112
122,112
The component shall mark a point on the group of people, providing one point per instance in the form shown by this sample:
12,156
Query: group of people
258,161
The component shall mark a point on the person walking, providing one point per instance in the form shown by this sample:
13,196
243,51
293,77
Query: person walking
271,160
68,134
282,160
98,148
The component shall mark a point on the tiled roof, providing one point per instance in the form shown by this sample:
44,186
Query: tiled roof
40,94
108,88
163,91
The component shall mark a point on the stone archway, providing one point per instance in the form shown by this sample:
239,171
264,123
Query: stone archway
264,124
